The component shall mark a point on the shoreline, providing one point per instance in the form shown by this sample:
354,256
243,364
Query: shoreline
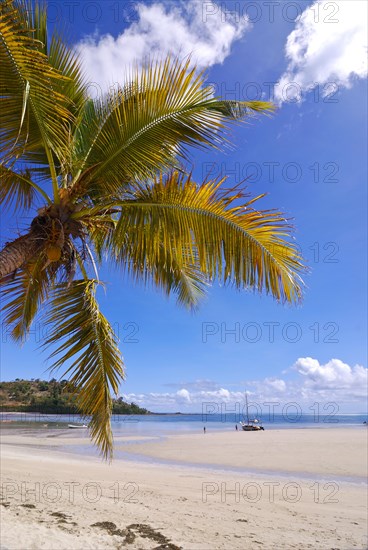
57,500
143,460
192,449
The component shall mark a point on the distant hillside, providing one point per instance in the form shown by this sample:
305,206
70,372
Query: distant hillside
49,397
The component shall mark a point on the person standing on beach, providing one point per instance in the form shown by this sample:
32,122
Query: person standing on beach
204,429
236,427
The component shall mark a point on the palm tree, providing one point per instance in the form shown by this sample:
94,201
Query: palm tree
110,182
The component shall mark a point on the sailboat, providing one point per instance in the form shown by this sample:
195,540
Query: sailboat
75,426
251,425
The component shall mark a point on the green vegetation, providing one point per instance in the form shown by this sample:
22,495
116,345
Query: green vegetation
50,397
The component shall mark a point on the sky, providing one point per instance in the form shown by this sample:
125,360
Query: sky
310,159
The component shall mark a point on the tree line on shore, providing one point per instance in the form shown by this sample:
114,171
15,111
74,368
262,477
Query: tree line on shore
55,397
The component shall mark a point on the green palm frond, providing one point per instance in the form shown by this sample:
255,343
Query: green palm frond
17,189
67,63
100,229
73,86
235,243
35,114
139,129
23,296
90,347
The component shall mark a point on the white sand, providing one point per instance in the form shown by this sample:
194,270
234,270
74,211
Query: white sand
51,499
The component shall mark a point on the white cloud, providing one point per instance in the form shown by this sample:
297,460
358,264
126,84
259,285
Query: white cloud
199,384
183,395
328,45
334,375
179,28
334,381
276,384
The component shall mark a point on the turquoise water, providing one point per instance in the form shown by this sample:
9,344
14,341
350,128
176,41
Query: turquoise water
187,423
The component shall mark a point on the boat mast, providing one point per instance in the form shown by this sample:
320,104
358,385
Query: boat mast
246,403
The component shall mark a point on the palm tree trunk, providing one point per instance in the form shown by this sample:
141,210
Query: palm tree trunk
17,253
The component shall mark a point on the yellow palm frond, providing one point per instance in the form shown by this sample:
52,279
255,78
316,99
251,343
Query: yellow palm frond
176,220
180,275
139,129
90,349
150,262
186,281
35,114
17,189
23,296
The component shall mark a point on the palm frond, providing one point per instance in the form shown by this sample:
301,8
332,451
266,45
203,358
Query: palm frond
66,62
73,86
18,189
146,262
235,243
138,130
35,114
90,347
23,295
60,56
149,261
100,228
183,278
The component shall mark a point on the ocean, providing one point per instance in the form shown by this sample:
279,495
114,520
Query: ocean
161,424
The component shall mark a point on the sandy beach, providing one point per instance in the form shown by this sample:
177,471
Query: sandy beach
280,489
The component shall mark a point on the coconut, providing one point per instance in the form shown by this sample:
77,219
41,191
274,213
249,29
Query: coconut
54,253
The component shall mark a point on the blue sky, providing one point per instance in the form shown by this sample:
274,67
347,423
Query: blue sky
311,160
